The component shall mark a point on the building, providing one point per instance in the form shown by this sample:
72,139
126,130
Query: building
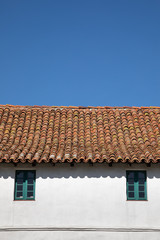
79,173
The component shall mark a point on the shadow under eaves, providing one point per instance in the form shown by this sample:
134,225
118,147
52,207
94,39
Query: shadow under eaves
80,170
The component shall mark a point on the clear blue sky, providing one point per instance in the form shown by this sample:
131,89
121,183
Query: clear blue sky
80,52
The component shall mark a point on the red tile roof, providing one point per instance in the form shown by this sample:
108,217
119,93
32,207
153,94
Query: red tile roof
79,134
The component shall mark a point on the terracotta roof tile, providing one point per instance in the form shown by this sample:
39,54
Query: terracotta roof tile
79,134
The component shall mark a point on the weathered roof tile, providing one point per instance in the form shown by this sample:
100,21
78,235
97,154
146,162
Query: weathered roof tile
79,134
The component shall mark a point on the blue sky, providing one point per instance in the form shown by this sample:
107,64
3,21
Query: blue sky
80,52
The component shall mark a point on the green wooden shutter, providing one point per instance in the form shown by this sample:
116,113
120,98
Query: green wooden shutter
136,185
25,185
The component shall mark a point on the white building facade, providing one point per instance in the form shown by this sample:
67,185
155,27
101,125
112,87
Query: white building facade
80,202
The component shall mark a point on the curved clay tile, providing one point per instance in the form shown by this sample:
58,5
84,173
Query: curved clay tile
79,134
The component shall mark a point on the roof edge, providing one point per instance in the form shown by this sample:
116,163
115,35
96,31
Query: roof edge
77,107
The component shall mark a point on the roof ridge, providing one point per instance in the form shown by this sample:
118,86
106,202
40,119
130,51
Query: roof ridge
79,107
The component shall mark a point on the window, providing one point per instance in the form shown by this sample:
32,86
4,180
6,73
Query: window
136,185
25,185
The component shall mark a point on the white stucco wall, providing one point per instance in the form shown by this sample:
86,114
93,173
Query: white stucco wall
80,202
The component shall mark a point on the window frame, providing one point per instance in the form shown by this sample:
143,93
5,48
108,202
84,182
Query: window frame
25,185
136,186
